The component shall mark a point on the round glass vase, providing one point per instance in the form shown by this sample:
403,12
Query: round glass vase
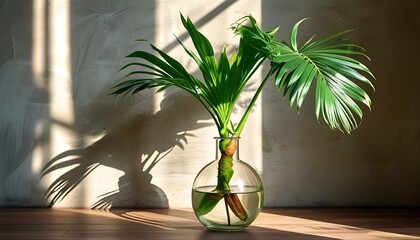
228,210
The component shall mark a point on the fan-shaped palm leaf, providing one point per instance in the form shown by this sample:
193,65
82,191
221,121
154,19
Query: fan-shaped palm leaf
325,61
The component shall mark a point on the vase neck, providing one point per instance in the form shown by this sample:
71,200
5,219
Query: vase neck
228,145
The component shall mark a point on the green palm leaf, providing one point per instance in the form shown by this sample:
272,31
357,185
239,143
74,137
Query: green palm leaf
223,78
166,73
325,62
334,71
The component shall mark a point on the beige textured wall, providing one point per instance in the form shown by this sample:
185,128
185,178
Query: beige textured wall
59,58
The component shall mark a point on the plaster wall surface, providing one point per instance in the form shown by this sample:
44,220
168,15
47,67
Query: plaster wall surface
65,142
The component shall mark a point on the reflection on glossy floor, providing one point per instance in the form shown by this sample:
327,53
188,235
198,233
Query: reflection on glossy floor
272,223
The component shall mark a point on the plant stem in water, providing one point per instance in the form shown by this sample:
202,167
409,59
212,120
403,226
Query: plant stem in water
227,210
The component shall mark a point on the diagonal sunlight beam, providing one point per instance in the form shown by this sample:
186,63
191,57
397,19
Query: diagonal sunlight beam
323,229
200,22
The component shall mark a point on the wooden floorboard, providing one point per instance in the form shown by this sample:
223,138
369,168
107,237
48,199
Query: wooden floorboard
272,223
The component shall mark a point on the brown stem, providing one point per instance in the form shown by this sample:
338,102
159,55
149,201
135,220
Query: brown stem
236,206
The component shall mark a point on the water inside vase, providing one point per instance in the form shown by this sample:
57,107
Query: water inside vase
221,216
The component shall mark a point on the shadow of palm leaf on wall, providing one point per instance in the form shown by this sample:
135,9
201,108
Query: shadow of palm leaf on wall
134,147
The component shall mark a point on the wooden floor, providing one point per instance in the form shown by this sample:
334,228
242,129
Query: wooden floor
278,223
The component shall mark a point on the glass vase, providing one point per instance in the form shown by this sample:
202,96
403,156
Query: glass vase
235,206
